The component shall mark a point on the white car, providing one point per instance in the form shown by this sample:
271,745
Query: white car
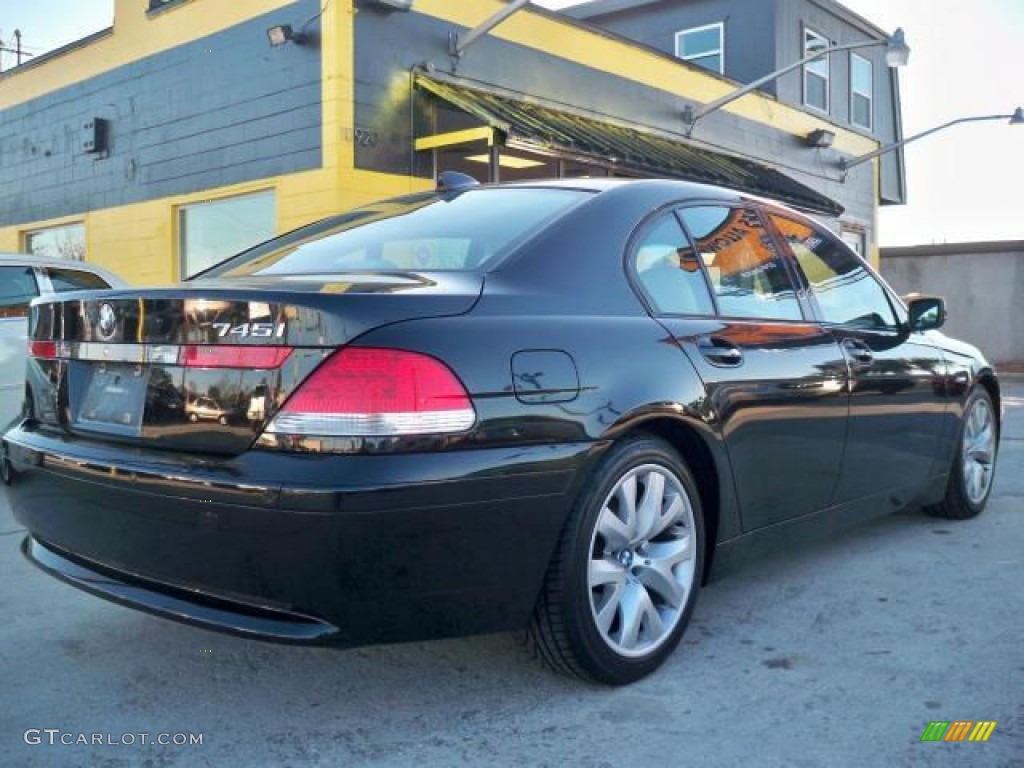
22,278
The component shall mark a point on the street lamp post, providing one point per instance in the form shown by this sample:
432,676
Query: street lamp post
1017,118
897,54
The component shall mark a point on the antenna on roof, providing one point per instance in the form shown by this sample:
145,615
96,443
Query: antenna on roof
453,181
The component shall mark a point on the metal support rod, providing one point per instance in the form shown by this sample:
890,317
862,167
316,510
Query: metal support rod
17,50
458,45
693,117
846,165
495,164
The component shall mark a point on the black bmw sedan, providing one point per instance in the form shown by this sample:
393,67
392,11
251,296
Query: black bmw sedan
552,405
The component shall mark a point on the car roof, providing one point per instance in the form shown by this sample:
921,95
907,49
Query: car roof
670,189
28,260
604,184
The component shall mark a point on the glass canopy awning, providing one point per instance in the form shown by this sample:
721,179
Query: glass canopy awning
547,130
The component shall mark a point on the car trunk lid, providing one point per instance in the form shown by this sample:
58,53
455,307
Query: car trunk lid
203,367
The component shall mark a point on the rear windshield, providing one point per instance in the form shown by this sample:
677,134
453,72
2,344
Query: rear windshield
457,232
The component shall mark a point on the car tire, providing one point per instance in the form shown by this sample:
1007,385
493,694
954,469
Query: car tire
973,470
193,418
621,587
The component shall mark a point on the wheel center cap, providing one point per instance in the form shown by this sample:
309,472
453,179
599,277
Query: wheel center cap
626,558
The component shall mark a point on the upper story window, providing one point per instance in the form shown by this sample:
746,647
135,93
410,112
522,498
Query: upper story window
816,74
746,270
66,241
704,46
862,91
156,5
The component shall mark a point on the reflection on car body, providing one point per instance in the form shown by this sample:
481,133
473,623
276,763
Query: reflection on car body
558,405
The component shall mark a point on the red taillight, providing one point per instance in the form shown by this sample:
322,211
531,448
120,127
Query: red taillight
224,356
377,392
47,350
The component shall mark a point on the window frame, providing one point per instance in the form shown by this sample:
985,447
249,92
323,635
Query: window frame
826,59
694,58
34,273
633,274
808,312
28,234
807,288
154,7
48,270
869,96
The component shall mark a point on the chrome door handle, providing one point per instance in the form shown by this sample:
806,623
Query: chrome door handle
858,352
719,351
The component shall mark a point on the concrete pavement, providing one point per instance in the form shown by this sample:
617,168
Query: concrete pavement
828,655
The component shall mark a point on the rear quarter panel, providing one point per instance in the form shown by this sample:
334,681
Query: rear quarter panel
630,373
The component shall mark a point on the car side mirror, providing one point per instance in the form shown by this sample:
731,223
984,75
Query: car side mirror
926,312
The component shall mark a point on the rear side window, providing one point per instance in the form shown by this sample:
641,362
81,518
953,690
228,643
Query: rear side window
17,288
64,280
669,273
461,232
846,292
746,270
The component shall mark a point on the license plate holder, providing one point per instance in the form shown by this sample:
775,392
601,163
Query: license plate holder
115,399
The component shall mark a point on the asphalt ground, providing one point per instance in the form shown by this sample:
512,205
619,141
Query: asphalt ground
834,654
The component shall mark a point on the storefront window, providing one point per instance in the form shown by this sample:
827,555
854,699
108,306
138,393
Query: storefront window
66,241
213,231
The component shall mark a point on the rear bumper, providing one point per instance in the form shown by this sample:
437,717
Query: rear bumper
300,548
165,600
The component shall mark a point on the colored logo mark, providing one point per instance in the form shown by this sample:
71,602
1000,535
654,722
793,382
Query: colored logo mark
958,730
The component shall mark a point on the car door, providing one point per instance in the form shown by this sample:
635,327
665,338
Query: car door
895,377
18,287
774,380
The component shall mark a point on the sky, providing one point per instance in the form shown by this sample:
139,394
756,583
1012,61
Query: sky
963,184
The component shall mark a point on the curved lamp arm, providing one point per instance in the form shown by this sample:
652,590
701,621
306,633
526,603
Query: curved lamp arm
1017,118
897,55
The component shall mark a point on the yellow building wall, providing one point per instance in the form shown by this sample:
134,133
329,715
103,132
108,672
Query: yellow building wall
139,241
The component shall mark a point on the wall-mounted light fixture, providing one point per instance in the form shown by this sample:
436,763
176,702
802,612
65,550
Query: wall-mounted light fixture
1017,118
391,5
283,33
897,53
820,138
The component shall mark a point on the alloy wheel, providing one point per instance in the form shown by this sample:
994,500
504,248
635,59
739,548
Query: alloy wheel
978,450
642,560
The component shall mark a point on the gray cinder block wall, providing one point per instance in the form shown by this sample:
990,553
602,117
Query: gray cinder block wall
983,284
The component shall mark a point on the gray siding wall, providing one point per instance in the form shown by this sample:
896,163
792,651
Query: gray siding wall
749,38
791,18
387,47
982,283
220,110
765,35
